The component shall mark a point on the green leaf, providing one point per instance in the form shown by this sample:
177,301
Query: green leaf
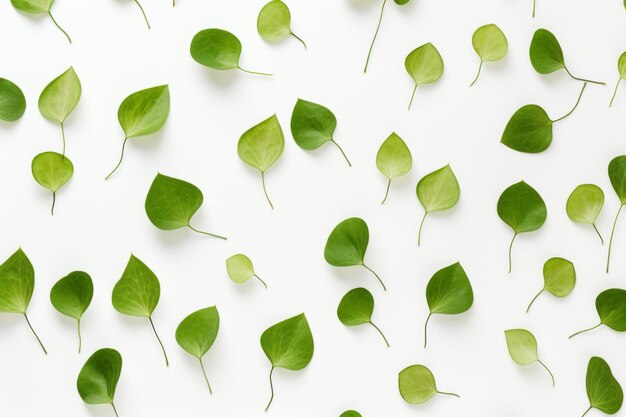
559,278
218,49
490,44
261,146
288,345
12,101
347,244
36,7
522,209
71,295
448,292
99,376
437,191
356,308
617,176
603,390
17,283
522,347
52,171
312,125
417,385
393,159
137,294
621,68
611,307
171,203
274,22
584,205
59,98
240,269
143,113
351,413
197,332
424,65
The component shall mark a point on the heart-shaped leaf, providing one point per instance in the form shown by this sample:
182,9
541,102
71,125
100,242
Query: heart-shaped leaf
621,68
71,295
52,171
424,65
240,269
137,294
312,125
99,376
171,203
611,307
261,146
347,244
417,385
288,345
218,49
522,347
12,101
36,7
603,390
617,176
17,283
584,205
393,159
437,191
559,278
274,22
522,209
380,19
490,44
143,113
197,332
59,98
356,308
448,292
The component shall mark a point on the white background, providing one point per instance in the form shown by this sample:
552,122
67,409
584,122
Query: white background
98,224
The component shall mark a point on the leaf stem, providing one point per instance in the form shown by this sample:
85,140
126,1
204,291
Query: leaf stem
271,388
376,275
419,233
80,339
59,27
576,105
262,282
585,413
205,233
546,368
426,330
449,393
614,92
205,377
35,333
342,152
120,161
256,73
534,6
173,3
412,96
533,300
54,200
167,362
598,232
381,333
143,13
586,330
265,190
299,38
63,136
477,75
114,410
380,19
583,79
387,193
510,250
608,257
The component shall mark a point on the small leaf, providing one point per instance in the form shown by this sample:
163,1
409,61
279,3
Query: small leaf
522,347
274,22
617,176
522,209
347,244
584,205
448,292
490,44
356,308
603,390
240,269
59,98
288,345
437,191
559,277
350,413
424,65
621,68
417,385
143,113
611,307
312,125
71,295
197,332
52,171
36,7
217,49
12,101
261,146
99,376
171,203
393,159
137,294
